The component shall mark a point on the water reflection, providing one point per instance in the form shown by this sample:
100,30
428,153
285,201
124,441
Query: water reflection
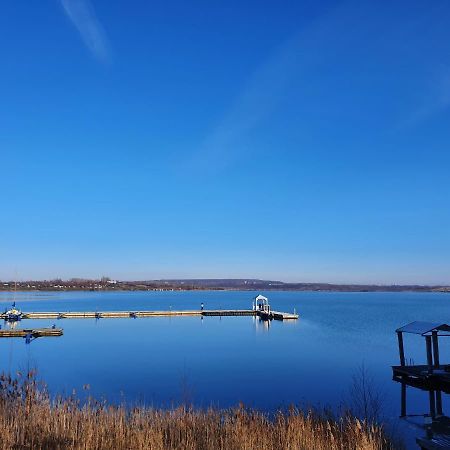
261,325
10,325
435,424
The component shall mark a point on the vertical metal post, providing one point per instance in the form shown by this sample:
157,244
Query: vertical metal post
403,401
435,348
400,348
432,404
439,403
429,354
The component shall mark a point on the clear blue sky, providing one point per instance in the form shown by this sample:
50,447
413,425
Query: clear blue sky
300,141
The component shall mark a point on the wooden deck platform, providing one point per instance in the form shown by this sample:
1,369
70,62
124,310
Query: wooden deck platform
228,312
35,333
440,442
277,315
437,435
105,314
419,376
137,314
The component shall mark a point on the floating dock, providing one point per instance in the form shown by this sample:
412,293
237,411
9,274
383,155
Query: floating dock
261,308
34,333
138,314
277,315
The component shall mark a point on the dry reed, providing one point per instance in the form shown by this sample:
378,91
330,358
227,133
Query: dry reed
31,419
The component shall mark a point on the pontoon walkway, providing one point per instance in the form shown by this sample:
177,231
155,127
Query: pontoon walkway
35,333
135,314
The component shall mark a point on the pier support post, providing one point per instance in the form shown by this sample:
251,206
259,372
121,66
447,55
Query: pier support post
435,349
429,354
403,401
432,404
400,348
439,403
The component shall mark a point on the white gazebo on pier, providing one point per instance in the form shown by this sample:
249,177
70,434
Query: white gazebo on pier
261,304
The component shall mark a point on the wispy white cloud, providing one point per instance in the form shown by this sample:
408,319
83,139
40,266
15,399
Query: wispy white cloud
435,100
350,66
82,15
254,103
265,90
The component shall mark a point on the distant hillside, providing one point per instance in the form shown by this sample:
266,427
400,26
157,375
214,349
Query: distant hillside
222,283
79,284
256,284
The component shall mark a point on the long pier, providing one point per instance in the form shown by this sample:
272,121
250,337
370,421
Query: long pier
34,333
138,314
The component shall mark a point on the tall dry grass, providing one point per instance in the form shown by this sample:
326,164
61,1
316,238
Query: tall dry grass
30,419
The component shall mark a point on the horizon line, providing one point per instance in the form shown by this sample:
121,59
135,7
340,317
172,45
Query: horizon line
214,279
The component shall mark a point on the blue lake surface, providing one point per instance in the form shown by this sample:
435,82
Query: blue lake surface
224,361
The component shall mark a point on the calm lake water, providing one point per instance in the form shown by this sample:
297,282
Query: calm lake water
222,361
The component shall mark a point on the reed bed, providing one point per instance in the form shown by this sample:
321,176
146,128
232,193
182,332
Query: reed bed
31,419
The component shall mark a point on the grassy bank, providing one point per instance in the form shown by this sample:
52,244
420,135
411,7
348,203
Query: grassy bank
30,419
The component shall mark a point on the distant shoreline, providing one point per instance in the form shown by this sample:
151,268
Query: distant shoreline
108,285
